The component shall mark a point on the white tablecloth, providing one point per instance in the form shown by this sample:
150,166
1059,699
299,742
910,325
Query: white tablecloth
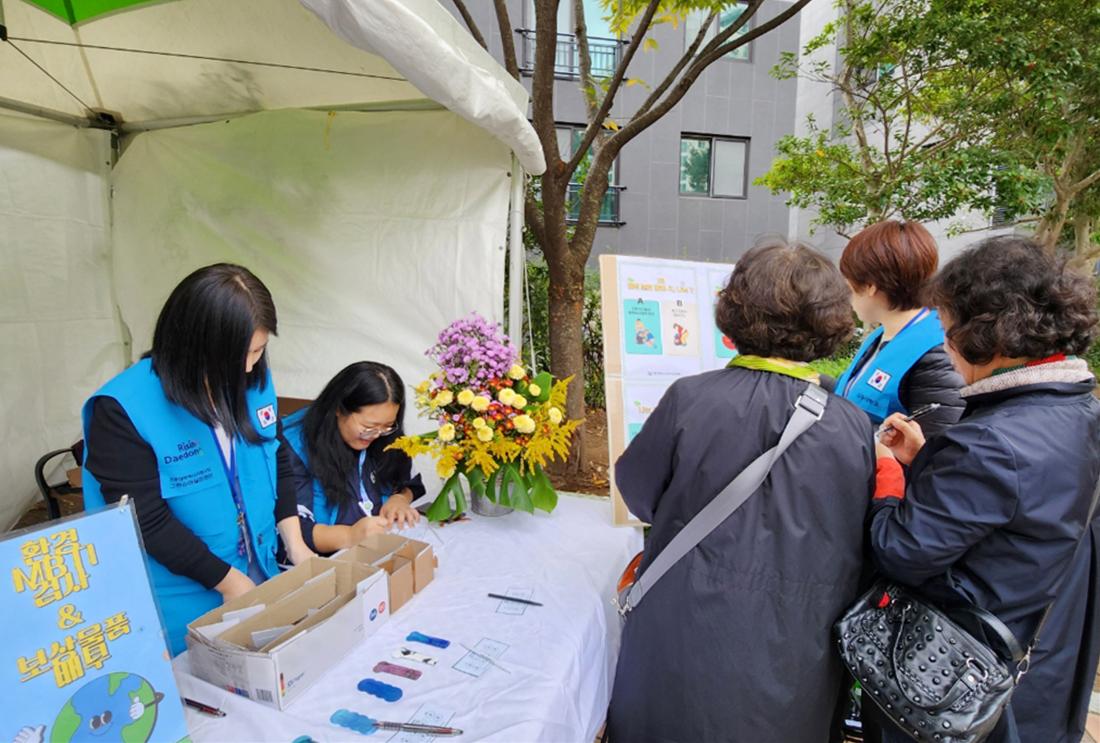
560,660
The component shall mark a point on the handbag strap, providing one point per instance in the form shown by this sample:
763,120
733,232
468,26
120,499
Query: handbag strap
809,407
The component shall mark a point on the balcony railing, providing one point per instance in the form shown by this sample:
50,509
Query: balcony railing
604,55
609,209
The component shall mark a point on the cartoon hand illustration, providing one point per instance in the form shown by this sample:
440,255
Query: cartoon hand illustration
137,709
30,735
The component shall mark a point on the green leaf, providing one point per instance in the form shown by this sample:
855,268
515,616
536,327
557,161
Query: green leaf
440,509
476,480
514,489
543,495
545,381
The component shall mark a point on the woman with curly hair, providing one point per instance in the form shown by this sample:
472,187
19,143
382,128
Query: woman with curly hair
733,643
995,505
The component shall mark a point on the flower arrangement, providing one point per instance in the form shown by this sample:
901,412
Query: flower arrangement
498,425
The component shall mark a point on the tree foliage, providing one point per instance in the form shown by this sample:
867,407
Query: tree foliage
949,105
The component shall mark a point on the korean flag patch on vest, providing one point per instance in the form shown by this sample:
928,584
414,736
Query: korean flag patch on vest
879,380
266,414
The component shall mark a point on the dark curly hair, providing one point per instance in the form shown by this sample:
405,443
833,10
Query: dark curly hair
1006,296
785,300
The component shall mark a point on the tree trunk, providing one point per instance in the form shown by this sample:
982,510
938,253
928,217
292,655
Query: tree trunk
1050,226
566,299
1082,236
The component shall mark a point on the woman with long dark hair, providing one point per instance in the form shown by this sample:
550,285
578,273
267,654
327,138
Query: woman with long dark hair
348,485
189,433
995,506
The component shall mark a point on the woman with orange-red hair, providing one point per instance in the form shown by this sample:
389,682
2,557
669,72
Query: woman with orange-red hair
901,365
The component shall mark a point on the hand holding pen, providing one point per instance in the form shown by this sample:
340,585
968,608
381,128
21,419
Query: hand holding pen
902,435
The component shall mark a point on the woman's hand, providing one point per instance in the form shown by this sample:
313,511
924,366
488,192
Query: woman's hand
369,526
398,509
902,437
234,584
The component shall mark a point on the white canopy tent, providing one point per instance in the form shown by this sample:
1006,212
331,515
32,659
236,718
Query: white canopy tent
369,189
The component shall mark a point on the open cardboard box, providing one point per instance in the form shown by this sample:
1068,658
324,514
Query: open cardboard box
410,563
270,644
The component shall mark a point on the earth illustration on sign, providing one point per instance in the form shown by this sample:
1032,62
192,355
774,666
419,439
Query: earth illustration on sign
116,707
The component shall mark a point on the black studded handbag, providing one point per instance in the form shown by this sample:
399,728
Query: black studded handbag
935,679
928,674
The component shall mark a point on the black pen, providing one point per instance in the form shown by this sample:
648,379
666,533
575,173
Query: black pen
206,708
922,410
513,598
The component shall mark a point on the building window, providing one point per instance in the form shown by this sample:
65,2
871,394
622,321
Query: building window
725,19
604,50
713,166
569,138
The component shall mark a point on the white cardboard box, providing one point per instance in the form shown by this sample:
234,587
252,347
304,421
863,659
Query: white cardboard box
328,607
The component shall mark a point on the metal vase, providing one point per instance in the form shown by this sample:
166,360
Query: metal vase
482,506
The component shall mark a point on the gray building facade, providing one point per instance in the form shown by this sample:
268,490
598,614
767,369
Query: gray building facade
682,188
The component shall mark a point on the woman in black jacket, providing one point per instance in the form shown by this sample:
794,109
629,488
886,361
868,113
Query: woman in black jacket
901,365
733,643
995,505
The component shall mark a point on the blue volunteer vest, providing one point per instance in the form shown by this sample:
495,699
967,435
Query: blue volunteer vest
875,388
323,511
194,483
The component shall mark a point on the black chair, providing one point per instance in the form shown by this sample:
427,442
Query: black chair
50,492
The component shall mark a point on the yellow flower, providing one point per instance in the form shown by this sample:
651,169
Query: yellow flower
519,402
485,434
534,390
447,432
524,423
478,422
465,397
422,388
445,468
480,403
516,372
555,416
506,395
443,397
422,400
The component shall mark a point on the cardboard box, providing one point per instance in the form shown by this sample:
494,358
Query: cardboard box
272,643
409,563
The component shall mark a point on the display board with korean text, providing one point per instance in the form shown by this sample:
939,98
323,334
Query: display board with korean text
658,324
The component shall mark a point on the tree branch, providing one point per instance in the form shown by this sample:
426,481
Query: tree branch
507,38
542,84
596,120
639,123
689,54
471,24
588,85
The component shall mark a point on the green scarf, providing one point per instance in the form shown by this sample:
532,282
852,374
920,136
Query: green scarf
796,369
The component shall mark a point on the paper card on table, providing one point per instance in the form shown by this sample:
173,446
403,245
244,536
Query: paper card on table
424,716
480,659
513,607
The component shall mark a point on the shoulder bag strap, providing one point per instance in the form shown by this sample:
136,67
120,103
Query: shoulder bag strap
808,410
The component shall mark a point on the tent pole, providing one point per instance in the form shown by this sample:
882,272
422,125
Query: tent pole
45,113
516,255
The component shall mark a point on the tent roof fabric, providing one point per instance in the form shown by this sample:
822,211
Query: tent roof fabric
191,59
75,11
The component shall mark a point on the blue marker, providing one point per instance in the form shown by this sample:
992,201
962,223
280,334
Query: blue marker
435,642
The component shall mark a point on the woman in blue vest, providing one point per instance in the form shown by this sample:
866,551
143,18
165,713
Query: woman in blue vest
348,486
189,433
901,365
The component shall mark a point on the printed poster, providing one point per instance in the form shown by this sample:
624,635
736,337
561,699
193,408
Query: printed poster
658,319
84,655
